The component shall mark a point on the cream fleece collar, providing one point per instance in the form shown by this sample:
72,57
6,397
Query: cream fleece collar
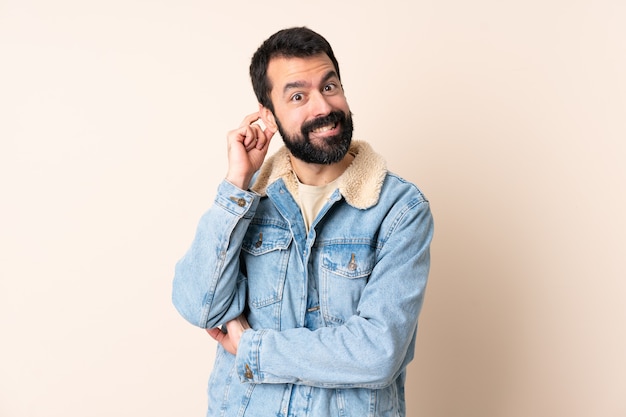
360,184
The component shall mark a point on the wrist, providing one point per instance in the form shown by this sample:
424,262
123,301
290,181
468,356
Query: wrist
242,182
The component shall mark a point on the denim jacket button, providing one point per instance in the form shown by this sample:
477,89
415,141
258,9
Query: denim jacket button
352,264
248,374
241,202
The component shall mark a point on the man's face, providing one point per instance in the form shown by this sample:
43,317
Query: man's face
311,111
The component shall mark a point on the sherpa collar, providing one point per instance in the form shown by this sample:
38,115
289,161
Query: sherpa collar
360,184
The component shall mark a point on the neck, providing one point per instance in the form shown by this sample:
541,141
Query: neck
316,174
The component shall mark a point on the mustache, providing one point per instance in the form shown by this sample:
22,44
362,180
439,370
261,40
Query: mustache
331,118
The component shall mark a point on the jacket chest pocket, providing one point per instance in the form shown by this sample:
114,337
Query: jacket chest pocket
344,274
265,253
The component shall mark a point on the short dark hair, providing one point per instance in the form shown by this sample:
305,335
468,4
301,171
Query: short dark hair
297,42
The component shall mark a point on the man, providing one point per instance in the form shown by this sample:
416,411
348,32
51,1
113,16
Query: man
310,267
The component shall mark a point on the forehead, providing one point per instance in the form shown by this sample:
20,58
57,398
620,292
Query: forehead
283,71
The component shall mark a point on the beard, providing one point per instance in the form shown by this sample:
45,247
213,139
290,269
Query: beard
331,150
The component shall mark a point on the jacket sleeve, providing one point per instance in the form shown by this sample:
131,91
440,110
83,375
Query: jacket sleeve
208,289
371,348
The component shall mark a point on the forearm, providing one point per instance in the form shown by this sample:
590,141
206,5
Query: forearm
332,357
208,288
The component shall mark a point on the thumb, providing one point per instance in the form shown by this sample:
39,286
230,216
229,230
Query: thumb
269,132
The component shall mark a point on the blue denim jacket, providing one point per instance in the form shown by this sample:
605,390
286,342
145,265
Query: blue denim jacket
333,311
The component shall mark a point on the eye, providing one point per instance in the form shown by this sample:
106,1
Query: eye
330,87
297,97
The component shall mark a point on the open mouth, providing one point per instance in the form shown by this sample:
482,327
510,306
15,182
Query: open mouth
325,128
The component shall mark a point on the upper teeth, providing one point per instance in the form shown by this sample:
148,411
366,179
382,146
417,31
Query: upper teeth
324,128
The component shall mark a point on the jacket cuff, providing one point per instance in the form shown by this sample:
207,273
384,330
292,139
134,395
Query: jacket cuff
247,360
236,200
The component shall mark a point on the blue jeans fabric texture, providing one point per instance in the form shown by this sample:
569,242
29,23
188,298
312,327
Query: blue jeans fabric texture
333,312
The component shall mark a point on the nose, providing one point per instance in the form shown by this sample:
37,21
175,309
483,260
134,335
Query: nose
319,104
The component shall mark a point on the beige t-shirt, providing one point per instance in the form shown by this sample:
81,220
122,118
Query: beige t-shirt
312,198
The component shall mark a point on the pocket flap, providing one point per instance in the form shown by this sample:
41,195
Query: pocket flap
349,260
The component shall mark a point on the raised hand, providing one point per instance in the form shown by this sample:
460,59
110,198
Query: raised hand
247,147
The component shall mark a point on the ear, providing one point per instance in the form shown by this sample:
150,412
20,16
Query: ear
268,117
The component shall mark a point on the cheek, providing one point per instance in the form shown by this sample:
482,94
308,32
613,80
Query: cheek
292,120
339,102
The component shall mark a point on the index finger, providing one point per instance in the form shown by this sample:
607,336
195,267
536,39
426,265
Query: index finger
251,118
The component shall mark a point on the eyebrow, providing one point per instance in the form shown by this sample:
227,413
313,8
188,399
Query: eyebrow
299,84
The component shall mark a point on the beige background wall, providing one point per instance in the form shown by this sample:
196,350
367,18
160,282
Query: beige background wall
510,115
